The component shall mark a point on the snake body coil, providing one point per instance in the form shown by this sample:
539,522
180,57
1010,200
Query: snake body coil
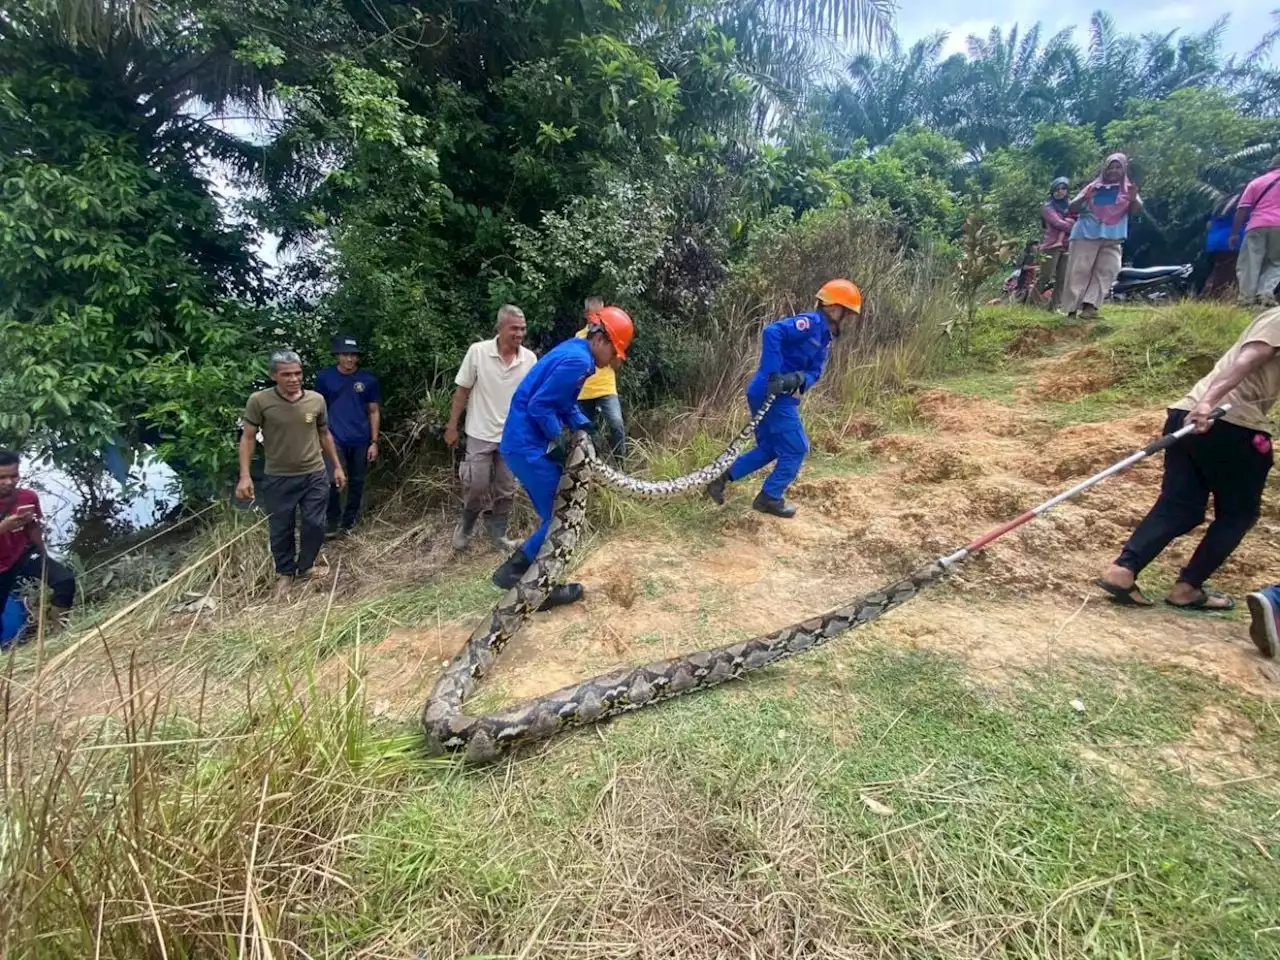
626,688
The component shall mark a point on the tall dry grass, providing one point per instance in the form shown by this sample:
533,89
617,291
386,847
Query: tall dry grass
907,297
157,832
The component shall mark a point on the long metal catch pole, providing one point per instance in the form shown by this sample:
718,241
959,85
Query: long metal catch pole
629,688
1155,446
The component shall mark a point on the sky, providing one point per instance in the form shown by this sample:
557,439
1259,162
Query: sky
1250,19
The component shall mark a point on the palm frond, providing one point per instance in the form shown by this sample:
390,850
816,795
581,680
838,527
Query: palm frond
1262,50
864,21
1102,31
1212,196
93,23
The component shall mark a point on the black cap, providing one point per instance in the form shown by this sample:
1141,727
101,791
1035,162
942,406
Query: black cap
345,343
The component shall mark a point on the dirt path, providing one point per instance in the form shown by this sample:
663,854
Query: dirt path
1025,603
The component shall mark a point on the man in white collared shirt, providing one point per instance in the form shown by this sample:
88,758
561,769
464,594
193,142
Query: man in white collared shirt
489,375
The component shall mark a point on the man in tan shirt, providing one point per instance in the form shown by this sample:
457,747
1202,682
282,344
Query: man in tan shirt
295,439
1228,459
489,375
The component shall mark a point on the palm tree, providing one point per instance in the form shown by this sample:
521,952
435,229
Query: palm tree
778,50
883,94
1255,79
1098,85
1218,181
1190,61
1013,85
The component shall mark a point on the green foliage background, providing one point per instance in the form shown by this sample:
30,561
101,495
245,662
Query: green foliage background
424,162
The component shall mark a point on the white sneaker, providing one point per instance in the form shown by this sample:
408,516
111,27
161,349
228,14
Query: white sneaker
1263,626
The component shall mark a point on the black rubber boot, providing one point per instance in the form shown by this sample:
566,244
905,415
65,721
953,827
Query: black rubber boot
496,524
774,507
512,569
464,529
715,489
562,594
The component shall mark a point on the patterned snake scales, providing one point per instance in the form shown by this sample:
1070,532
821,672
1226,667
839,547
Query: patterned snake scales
626,688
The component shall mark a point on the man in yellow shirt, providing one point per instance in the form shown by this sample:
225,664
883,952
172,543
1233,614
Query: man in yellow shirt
600,392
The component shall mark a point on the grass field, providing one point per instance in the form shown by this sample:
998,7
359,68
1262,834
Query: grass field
256,787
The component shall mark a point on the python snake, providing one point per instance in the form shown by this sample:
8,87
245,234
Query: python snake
624,689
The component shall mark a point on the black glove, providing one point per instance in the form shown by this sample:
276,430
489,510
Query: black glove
558,449
785,383
597,441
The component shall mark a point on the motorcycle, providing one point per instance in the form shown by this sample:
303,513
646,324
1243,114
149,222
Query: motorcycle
1151,284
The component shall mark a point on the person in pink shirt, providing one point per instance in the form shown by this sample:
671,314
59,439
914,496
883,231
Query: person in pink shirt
1058,221
1258,269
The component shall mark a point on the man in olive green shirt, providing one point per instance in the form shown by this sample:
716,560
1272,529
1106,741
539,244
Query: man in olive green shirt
295,439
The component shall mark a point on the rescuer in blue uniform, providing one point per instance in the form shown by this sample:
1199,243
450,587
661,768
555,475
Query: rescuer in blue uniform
544,410
792,356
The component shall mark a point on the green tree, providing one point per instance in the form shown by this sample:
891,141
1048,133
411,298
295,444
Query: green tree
127,304
1017,179
1012,85
884,94
1171,143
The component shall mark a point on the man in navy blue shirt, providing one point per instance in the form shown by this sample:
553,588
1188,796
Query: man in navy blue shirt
355,416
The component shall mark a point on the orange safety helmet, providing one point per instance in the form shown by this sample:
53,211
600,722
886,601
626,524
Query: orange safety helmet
843,293
617,325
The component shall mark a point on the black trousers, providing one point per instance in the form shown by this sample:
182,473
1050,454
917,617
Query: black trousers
1229,463
355,463
305,495
34,566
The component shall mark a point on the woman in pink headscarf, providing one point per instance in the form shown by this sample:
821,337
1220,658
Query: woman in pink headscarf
1093,257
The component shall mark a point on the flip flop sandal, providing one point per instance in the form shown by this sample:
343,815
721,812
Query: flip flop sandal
1201,602
1123,597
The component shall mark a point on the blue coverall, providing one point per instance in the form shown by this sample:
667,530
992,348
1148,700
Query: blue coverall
798,344
545,403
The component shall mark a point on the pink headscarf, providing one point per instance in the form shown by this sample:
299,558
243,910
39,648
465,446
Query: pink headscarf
1111,213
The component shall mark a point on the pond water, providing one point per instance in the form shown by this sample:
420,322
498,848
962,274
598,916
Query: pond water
83,517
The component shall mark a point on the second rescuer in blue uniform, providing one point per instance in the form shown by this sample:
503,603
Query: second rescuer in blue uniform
792,356
544,410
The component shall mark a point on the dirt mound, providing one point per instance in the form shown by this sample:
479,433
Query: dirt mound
836,497
863,426
894,447
1076,375
940,465
1002,498
953,413
1036,341
620,587
1083,449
